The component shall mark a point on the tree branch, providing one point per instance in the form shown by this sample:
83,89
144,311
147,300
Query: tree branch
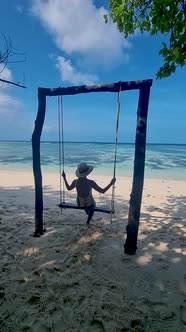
9,82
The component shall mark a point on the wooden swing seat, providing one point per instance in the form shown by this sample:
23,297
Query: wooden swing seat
72,206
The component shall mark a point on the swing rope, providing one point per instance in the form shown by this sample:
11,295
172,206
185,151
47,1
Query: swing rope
62,155
116,146
61,147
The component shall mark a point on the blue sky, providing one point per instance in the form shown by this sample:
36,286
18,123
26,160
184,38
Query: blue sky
66,42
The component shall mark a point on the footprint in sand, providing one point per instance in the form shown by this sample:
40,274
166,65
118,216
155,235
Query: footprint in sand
137,324
60,325
30,324
82,304
161,309
163,265
96,326
40,327
183,314
34,299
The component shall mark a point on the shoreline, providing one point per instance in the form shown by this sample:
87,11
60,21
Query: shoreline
95,174
156,192
54,175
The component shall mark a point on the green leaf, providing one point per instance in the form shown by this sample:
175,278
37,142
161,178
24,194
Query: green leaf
156,16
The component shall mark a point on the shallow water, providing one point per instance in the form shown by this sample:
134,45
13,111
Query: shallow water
162,161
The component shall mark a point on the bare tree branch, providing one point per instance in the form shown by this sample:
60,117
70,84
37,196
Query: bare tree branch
9,51
7,56
9,82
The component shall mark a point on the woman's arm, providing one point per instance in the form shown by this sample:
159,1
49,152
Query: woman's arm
102,190
72,185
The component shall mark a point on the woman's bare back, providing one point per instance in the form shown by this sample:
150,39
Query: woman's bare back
83,187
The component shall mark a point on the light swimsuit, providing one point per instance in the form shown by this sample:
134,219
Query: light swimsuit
86,201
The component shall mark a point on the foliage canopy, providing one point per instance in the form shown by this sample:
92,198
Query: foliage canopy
167,17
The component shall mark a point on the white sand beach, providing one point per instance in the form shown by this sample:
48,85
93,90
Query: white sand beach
75,278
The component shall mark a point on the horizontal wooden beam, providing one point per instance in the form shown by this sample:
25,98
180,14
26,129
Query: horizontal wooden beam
109,87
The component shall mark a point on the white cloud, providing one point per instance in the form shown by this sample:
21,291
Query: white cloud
15,123
9,105
79,30
70,74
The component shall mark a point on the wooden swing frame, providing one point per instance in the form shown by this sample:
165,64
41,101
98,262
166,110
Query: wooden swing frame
143,86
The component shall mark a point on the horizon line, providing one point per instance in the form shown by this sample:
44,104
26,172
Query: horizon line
88,142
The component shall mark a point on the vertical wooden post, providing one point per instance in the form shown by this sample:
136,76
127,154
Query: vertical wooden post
130,245
37,163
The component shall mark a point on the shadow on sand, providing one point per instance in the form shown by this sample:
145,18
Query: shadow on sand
75,278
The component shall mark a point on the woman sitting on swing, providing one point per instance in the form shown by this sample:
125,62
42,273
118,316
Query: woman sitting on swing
84,188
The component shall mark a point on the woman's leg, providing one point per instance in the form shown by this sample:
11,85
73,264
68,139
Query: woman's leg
90,212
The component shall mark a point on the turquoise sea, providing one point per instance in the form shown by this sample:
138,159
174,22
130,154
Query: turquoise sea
162,161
